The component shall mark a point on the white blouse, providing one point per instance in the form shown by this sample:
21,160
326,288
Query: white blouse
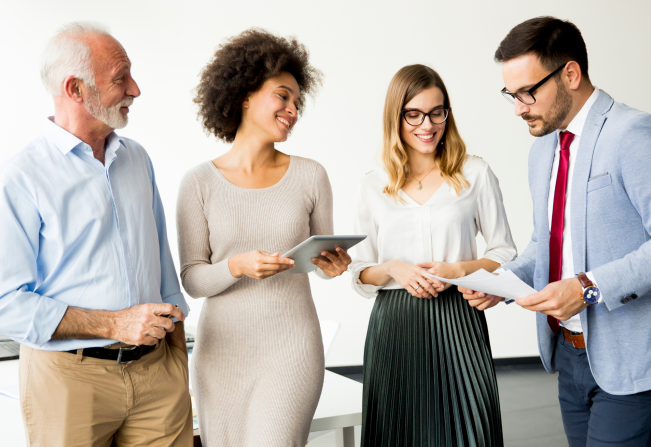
442,229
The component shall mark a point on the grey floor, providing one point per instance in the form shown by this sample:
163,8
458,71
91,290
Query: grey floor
531,416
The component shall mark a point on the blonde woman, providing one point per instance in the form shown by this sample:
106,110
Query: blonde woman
428,372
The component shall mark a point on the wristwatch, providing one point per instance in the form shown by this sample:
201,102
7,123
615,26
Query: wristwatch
591,293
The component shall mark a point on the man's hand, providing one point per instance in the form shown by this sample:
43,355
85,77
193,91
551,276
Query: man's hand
336,264
561,299
143,324
479,300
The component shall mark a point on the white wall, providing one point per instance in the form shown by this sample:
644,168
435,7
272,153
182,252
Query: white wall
358,45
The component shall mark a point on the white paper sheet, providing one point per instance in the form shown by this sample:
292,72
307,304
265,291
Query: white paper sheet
506,284
9,388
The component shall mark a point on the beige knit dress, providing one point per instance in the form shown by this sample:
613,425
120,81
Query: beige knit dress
257,365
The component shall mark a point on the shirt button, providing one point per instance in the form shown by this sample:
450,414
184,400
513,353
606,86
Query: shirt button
634,296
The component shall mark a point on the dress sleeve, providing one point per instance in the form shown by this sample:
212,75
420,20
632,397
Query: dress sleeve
491,220
365,254
199,276
321,222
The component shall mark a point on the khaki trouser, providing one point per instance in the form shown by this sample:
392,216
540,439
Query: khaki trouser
70,400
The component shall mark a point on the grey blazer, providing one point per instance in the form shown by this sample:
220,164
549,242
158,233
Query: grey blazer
611,227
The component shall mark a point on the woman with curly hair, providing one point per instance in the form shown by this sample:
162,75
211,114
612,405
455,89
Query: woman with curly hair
428,372
258,363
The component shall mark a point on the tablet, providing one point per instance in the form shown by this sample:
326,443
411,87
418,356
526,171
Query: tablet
312,247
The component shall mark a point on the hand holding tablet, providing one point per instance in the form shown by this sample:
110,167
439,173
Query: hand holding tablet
333,263
258,264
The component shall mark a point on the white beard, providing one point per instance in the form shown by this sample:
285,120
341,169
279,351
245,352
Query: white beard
110,116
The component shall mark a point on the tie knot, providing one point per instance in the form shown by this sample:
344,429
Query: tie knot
566,140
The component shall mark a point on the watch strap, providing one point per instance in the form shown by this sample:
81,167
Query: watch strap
585,281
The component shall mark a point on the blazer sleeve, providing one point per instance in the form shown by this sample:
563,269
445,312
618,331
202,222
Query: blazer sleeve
524,266
630,274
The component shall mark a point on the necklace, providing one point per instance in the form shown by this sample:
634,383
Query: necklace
419,186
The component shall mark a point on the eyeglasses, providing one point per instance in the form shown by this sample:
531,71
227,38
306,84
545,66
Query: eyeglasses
526,96
415,117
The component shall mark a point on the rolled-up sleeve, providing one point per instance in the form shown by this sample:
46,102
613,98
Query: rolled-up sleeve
25,316
492,222
170,290
364,254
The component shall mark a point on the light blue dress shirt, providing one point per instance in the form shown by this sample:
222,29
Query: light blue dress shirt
74,232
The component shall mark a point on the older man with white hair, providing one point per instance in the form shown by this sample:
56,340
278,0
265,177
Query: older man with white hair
87,281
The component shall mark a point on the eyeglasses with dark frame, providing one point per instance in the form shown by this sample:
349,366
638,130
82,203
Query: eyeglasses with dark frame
526,97
415,117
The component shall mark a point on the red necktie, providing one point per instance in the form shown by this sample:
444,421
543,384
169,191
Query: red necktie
558,215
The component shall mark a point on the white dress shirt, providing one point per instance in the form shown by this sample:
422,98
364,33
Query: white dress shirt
576,127
442,229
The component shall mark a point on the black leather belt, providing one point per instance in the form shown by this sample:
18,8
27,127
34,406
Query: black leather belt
122,356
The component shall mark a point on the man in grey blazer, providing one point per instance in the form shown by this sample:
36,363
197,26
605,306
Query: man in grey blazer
590,182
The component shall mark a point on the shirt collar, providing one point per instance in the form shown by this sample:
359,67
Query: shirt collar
576,125
65,141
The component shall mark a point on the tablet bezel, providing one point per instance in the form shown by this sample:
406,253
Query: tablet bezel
311,247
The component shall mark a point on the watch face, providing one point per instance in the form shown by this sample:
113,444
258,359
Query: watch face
591,295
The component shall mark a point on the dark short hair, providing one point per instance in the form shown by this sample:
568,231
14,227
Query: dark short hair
554,41
239,67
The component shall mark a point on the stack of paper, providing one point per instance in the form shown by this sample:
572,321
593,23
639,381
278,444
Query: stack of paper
506,284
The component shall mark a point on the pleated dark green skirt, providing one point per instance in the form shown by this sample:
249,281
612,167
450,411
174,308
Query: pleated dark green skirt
428,374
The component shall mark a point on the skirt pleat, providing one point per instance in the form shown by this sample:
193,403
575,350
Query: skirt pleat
428,374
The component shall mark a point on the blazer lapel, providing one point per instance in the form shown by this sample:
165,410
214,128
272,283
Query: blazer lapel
541,204
583,164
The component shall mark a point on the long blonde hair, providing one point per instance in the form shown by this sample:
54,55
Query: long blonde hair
450,156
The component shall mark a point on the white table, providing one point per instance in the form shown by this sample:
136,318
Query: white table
339,409
11,422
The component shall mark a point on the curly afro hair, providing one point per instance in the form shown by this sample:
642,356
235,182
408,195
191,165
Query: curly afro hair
239,67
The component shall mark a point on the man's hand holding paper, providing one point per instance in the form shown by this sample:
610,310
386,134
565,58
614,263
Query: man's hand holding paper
483,289
561,299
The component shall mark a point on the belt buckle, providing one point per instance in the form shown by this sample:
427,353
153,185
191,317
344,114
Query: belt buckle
120,362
